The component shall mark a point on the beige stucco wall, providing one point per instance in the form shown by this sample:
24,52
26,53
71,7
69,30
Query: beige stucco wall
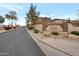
72,28
39,27
51,28
58,21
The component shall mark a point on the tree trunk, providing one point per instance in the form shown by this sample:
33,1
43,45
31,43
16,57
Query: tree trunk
33,25
12,24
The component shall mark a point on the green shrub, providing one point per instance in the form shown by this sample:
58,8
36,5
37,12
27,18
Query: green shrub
36,31
17,25
28,25
55,33
30,28
75,32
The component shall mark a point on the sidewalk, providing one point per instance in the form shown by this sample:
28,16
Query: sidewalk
67,46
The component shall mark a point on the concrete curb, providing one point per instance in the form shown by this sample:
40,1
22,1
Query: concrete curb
48,44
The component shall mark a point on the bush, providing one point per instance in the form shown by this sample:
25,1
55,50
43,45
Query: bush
28,25
7,28
14,27
30,28
55,33
75,32
36,31
18,25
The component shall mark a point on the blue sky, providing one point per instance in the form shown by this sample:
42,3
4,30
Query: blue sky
52,10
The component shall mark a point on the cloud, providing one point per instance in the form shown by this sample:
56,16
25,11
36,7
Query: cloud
11,7
42,15
17,6
71,16
21,21
52,16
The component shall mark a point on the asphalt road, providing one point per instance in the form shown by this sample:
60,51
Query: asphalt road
18,43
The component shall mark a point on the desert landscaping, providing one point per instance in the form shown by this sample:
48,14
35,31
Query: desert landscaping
58,33
62,41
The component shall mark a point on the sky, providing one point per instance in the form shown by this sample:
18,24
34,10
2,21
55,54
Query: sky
52,10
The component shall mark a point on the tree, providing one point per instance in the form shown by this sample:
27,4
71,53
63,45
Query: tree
32,15
8,17
11,16
69,21
2,19
77,13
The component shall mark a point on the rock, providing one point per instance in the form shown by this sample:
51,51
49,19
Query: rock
73,36
46,33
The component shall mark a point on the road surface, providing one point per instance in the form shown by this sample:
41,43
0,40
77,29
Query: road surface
18,43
